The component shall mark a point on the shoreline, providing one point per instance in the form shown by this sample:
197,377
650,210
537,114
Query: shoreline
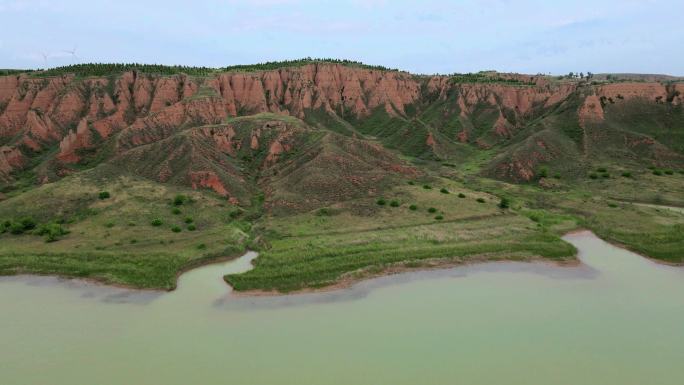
352,278
348,280
190,265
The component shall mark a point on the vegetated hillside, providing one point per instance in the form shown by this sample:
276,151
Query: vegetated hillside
281,140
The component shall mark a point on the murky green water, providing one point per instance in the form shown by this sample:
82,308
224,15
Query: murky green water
617,319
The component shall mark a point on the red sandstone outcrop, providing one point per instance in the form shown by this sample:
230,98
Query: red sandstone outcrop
591,110
37,113
208,179
78,139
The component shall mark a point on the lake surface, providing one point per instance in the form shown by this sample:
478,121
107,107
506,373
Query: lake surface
616,319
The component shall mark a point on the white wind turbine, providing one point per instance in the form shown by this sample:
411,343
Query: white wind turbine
45,61
73,54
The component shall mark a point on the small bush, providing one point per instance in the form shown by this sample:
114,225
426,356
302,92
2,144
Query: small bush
156,222
432,210
176,229
381,202
188,220
235,213
179,200
324,212
201,246
593,176
52,231
16,228
605,175
557,176
394,203
461,195
131,224
668,172
481,200
611,204
134,241
444,191
109,224
543,172
657,172
192,227
439,217
413,207
601,169
627,174
505,203
427,187
175,211
103,195
28,223
411,182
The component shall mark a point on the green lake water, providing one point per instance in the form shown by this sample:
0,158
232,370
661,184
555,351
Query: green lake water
617,318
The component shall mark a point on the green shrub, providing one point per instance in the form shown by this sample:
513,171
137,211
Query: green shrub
427,187
109,224
593,176
601,169
175,211
481,200
411,182
103,195
557,176
176,229
324,212
156,222
439,217
505,203
543,172
52,231
611,204
432,210
605,175
131,224
16,228
179,199
413,207
444,191
461,195
657,172
28,223
668,172
235,213
627,174
134,241
201,246
381,202
394,203
192,227
188,220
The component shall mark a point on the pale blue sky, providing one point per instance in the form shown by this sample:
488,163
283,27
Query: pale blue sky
428,36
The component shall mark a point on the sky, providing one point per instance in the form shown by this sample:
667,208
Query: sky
429,36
